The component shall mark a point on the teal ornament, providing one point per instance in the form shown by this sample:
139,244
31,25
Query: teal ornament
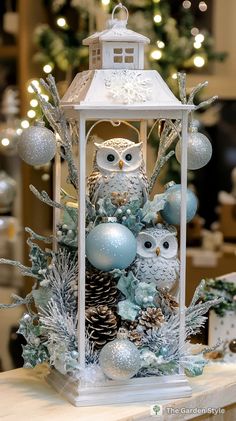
199,149
171,211
120,359
110,246
194,365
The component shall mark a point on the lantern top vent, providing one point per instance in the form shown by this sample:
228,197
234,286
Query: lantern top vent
117,47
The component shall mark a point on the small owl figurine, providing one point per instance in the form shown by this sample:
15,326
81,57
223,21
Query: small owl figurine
118,172
157,260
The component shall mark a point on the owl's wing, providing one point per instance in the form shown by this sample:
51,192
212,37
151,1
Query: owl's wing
144,183
94,185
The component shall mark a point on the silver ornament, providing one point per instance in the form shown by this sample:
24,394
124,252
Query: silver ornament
199,149
37,145
120,359
119,172
7,192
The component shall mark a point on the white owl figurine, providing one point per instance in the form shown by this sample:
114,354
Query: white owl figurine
118,168
156,259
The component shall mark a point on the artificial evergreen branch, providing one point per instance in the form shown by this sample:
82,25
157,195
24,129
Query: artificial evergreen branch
57,121
25,270
37,237
43,197
18,301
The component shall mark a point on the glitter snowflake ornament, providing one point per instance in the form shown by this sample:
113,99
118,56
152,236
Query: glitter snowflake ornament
128,87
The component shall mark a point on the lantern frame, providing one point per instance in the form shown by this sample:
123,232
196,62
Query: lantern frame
90,99
136,389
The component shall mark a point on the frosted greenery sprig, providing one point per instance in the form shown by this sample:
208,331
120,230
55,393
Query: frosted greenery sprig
58,122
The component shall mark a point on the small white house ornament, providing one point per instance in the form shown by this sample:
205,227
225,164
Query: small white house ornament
116,47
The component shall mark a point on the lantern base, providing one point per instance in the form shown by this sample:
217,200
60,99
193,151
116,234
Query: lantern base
113,392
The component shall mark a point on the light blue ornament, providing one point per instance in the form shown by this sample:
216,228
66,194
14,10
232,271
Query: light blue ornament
163,351
171,211
111,246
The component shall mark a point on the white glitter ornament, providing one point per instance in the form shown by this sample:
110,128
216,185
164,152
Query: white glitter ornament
120,359
37,145
199,149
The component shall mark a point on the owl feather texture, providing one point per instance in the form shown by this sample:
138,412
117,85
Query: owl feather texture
157,259
118,168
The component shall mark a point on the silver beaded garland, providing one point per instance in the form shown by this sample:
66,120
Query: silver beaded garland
37,145
120,359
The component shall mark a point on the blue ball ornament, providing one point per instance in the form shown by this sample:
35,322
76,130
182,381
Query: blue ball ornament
111,246
171,211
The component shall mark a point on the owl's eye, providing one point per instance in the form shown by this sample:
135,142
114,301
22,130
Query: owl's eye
110,157
148,244
128,157
166,245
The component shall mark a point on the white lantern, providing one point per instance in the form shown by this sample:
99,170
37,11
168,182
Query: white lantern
116,88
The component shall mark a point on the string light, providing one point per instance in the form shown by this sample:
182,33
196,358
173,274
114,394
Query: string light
197,45
194,31
187,4
156,54
25,124
174,76
61,22
31,114
199,61
105,2
47,68
199,38
5,141
46,97
160,44
202,6
34,103
19,131
157,18
156,1
35,83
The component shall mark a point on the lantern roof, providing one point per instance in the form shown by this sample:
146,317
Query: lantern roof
117,31
111,88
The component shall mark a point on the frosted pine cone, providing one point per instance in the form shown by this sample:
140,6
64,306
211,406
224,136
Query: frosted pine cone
100,288
101,325
136,337
151,317
166,301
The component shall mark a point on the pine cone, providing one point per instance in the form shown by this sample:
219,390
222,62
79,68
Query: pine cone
136,337
101,325
151,317
164,298
100,288
119,199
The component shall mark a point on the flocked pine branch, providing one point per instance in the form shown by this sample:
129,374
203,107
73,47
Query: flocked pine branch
62,277
44,197
172,131
58,122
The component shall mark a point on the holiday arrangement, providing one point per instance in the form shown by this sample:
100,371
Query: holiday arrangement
132,309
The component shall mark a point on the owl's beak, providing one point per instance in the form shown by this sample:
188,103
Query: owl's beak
158,251
121,164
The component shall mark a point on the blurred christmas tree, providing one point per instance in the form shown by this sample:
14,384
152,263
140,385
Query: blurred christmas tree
178,32
60,40
177,29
